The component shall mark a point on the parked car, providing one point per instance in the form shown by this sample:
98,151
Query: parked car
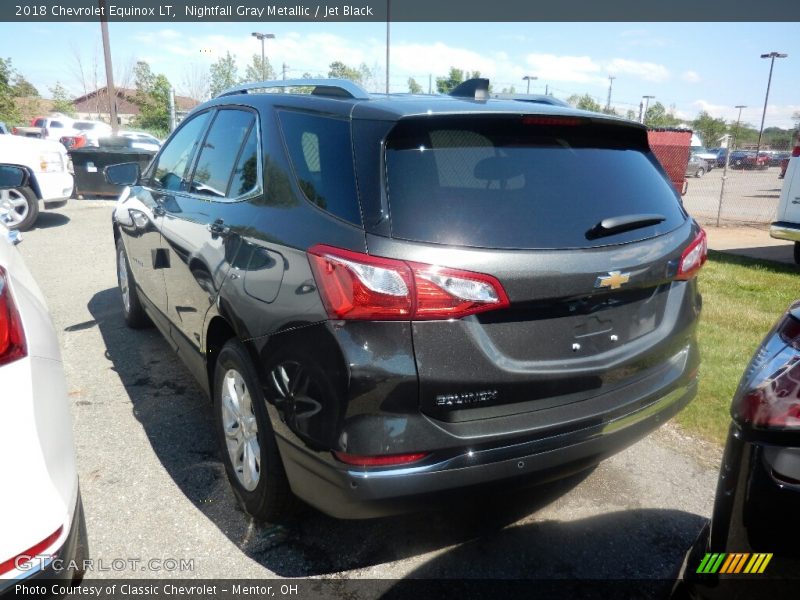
48,128
48,185
92,131
745,159
787,220
720,155
73,142
707,155
754,529
3,129
364,287
141,140
697,167
41,514
774,158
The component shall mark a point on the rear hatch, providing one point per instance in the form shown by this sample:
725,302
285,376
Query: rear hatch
576,220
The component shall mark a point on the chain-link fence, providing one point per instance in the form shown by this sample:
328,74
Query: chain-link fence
745,193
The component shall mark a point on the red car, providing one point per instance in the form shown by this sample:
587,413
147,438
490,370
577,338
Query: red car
743,159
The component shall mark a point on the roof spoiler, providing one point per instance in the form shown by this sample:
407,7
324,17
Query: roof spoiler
477,88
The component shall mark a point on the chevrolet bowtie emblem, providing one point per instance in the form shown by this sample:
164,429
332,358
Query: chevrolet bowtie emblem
614,280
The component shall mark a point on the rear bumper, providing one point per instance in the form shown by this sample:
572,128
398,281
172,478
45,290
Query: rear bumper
782,230
353,492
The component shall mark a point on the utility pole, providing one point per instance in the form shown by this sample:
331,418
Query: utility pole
111,91
173,122
643,116
546,87
772,56
610,83
430,83
388,20
284,69
736,131
262,37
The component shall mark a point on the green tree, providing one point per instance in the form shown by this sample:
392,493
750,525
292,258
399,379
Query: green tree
224,74
585,102
152,98
413,86
62,102
9,113
339,70
444,85
709,129
255,71
23,88
658,116
509,90
630,114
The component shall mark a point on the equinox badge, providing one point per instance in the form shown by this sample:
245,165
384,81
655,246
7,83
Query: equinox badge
614,280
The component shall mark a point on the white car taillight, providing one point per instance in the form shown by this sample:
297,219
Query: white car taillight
12,336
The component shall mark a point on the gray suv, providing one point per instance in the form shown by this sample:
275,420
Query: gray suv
388,297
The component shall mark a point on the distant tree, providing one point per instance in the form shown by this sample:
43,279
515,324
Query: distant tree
630,114
339,70
657,116
610,111
152,98
585,102
23,88
62,102
256,72
444,85
195,82
709,129
223,74
509,90
9,113
413,86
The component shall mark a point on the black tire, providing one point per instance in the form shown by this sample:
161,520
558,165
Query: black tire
700,172
270,499
132,310
29,210
797,252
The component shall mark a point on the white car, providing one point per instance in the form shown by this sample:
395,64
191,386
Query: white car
49,182
787,220
42,527
142,140
93,130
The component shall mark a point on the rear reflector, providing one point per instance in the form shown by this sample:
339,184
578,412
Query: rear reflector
23,558
12,336
693,257
379,461
364,287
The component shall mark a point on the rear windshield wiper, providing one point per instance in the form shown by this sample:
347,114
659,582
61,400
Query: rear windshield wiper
614,225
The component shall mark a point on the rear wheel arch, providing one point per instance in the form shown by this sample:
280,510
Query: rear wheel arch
219,331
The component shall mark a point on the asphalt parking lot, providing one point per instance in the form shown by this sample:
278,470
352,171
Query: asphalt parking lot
153,486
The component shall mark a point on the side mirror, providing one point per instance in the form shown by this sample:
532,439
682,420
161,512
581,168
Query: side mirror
123,174
12,177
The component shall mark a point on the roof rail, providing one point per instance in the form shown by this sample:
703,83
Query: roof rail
340,88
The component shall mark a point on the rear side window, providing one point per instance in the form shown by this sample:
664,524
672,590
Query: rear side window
500,182
220,152
170,170
320,151
245,175
56,124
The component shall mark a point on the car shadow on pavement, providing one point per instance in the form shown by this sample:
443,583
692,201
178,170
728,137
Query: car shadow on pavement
177,419
46,220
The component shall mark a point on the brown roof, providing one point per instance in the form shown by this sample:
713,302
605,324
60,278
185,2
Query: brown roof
125,103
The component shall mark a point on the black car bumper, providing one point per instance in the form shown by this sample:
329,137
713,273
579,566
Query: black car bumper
755,513
355,492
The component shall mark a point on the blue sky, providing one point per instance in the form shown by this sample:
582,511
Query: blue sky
691,66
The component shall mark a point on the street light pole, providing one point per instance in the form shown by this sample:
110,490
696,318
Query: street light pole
646,106
111,91
262,37
529,78
736,131
610,83
772,56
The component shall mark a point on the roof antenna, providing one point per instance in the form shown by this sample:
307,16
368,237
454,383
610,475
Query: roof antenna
477,88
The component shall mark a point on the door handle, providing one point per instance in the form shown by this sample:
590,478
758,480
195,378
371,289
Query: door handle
219,228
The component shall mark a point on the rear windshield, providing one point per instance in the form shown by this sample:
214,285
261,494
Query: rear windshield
518,183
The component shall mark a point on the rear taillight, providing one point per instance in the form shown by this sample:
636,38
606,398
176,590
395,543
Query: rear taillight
796,151
391,460
772,398
12,336
360,286
18,561
693,257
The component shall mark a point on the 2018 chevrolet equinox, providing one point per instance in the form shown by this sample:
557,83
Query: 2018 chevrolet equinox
392,296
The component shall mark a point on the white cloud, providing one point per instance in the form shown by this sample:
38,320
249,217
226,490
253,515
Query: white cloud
690,77
577,69
646,71
777,115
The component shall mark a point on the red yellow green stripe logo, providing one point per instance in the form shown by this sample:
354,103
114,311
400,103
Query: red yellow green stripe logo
734,563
